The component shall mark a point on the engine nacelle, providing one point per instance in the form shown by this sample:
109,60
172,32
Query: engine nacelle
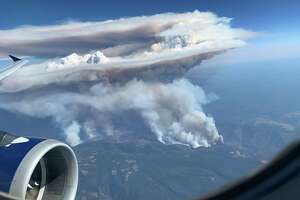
37,169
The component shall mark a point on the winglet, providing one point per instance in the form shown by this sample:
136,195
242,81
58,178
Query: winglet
15,59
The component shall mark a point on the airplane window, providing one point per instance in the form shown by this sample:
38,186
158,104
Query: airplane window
158,99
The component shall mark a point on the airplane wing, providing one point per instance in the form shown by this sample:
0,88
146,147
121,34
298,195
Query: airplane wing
18,63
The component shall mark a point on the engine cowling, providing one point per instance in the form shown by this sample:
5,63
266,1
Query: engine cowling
37,169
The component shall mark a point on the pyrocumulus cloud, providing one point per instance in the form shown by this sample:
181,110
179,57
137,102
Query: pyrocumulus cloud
119,66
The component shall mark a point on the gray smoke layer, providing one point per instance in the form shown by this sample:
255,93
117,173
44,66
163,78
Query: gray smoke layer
123,37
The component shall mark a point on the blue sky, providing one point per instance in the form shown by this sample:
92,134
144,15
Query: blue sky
262,15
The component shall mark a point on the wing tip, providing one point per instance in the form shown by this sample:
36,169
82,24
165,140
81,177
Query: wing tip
14,58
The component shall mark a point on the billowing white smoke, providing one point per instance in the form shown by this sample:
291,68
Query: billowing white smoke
175,114
127,65
72,134
173,111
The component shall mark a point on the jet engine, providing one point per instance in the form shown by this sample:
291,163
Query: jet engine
37,169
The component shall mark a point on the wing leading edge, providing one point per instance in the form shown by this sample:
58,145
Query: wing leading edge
18,63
